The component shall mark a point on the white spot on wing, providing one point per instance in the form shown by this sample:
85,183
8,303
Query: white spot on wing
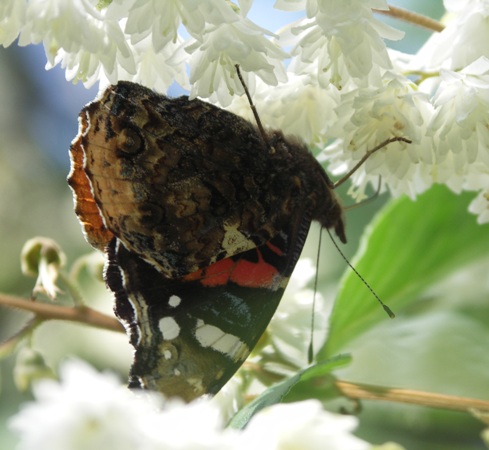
226,343
174,301
169,328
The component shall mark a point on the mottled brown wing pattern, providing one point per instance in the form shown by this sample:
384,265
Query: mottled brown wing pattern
184,184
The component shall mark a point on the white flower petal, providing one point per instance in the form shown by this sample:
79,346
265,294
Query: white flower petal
462,41
302,425
366,118
79,37
342,41
223,46
299,108
89,410
12,18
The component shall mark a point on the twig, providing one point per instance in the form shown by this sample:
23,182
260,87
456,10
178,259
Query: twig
411,17
368,392
45,311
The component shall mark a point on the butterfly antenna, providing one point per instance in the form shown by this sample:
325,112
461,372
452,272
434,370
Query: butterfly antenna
253,109
386,308
310,350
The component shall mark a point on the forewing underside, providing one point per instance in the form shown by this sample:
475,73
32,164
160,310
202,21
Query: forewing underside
183,184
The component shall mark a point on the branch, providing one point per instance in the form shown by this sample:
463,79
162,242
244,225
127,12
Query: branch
411,17
45,311
369,392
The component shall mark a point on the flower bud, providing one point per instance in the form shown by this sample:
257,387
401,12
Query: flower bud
43,258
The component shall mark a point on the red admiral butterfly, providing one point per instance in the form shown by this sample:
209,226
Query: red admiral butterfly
202,222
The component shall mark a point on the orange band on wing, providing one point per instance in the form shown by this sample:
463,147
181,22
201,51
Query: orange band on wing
242,272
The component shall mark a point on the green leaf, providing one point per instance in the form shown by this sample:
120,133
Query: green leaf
410,246
277,392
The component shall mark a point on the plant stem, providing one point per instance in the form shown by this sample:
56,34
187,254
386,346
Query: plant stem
433,400
45,311
411,17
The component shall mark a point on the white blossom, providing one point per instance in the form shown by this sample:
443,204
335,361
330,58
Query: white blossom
161,19
302,108
244,6
78,37
90,410
149,63
342,40
179,426
221,47
86,409
298,107
462,41
370,116
480,205
12,18
304,426
461,120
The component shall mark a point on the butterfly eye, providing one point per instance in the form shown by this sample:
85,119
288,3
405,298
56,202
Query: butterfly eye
130,142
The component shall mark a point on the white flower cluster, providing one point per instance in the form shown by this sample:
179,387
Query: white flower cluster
343,90
89,410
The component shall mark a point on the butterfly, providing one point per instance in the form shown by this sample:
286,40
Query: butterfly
202,220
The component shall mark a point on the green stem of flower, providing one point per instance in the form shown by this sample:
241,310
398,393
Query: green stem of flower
411,17
422,76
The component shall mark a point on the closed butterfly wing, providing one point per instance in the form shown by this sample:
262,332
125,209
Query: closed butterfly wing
184,184
202,220
191,335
